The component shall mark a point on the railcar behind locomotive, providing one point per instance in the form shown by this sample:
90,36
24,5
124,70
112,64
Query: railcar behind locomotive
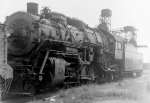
127,56
51,49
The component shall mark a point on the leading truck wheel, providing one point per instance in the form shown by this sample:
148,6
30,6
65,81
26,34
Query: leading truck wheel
32,90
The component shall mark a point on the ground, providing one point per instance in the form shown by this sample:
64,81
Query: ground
130,90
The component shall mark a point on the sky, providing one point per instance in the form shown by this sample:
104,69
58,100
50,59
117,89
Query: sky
124,12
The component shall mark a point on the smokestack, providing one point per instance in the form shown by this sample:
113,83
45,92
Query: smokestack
32,8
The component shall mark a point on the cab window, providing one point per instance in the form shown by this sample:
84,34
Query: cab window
118,46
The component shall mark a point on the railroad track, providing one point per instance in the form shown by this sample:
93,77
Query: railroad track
47,95
26,98
18,100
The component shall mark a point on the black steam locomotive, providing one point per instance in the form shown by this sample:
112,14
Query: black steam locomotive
51,49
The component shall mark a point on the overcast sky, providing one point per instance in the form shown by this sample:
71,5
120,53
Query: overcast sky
124,12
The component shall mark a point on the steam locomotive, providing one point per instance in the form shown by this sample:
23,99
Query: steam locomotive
51,49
